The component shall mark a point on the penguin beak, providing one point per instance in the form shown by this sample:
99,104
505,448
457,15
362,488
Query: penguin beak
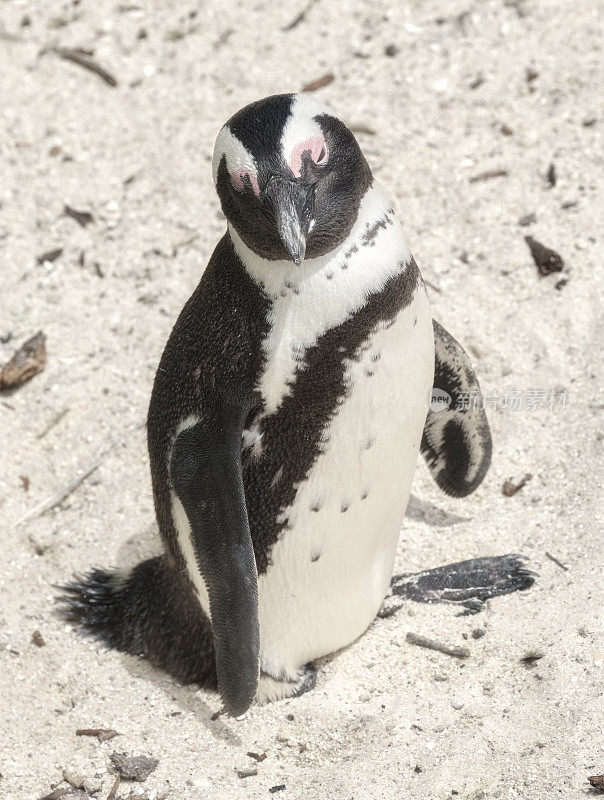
289,204
292,237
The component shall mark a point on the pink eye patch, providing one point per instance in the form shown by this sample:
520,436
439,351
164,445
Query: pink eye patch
317,146
240,183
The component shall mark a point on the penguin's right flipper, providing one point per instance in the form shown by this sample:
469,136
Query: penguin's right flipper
206,475
466,583
456,441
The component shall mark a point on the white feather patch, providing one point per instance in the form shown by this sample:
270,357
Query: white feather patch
331,568
238,157
184,534
323,292
301,123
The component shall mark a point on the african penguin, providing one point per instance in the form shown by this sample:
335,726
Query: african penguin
288,410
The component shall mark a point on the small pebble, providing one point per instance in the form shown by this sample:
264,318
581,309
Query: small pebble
528,219
92,785
38,640
73,778
457,703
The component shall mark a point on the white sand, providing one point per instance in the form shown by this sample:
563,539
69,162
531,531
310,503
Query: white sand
387,720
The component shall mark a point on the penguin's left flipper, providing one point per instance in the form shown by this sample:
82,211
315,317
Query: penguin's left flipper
456,441
467,583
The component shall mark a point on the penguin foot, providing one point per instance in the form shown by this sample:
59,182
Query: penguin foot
467,583
295,685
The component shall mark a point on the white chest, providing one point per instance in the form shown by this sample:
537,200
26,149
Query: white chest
331,569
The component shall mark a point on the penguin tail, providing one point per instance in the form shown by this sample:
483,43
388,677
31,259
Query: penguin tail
147,611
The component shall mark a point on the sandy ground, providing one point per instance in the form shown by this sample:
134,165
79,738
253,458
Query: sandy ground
387,720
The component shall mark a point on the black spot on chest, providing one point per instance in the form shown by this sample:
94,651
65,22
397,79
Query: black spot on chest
293,437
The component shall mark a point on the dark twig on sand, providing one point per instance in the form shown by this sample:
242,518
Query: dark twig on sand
319,83
486,176
299,17
247,773
531,658
430,644
49,255
83,218
54,500
114,788
362,129
102,734
54,421
555,560
83,58
58,794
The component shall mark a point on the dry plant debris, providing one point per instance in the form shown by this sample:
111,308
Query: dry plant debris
439,647
547,260
299,17
257,756
488,174
83,218
83,58
102,734
38,639
556,561
319,83
133,768
509,489
49,255
26,362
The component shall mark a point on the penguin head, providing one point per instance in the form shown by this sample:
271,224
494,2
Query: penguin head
290,177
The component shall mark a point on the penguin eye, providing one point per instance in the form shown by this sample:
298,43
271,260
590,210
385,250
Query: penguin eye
242,179
316,147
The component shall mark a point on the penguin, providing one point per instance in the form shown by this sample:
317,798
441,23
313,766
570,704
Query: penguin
287,414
